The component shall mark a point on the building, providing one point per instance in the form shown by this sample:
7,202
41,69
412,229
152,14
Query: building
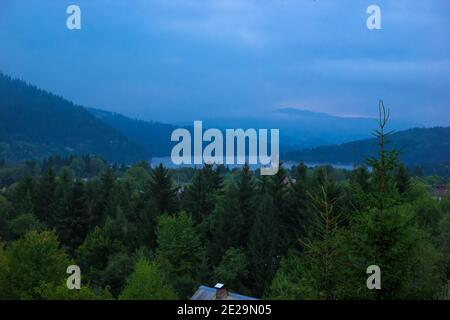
219,292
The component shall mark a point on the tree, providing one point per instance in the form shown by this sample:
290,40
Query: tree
318,271
227,225
233,270
162,191
46,207
383,165
180,251
246,197
261,247
147,282
443,239
298,217
4,266
34,260
49,291
74,220
402,179
201,194
136,178
5,211
94,256
388,236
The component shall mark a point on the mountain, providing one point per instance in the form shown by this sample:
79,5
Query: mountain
425,147
152,137
301,129
35,124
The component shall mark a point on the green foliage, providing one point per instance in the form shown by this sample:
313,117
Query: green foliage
49,291
227,227
24,223
262,247
180,251
100,259
428,213
148,282
402,179
233,270
74,219
400,248
443,239
162,191
31,261
305,233
201,195
35,123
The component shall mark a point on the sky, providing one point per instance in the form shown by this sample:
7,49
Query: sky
181,60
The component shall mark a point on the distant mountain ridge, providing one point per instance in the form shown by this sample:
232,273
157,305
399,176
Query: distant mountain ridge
152,137
426,147
35,124
301,129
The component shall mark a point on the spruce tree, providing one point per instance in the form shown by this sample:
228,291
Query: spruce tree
246,197
73,222
261,249
201,195
162,191
298,218
227,225
402,179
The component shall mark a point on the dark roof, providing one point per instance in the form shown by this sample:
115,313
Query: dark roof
207,293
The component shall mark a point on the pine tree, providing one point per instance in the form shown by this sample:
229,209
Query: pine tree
261,247
246,197
388,236
227,225
402,179
162,191
298,217
383,165
73,223
105,205
46,207
201,194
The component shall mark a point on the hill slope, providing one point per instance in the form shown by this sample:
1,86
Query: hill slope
36,124
152,137
426,147
301,129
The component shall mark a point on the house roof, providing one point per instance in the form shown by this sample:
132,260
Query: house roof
207,293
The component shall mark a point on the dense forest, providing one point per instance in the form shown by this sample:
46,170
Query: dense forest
37,124
152,137
152,233
424,149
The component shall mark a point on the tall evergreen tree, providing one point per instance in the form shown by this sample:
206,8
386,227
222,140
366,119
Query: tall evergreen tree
227,225
261,247
200,196
162,191
46,207
388,236
298,216
402,179
246,197
73,222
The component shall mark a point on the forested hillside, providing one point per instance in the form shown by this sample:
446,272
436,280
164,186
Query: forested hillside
37,124
152,137
142,233
427,148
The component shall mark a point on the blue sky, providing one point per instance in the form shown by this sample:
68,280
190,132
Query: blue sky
180,60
